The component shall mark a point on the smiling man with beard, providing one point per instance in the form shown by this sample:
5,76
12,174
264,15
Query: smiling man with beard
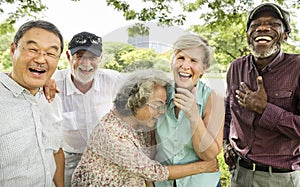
87,93
262,124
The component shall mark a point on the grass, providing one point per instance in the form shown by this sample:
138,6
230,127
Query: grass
225,174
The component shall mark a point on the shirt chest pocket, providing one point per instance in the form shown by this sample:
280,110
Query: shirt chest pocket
281,98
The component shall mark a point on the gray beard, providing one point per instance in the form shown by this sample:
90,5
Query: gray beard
269,52
79,78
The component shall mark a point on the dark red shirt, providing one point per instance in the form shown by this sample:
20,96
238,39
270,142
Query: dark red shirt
272,138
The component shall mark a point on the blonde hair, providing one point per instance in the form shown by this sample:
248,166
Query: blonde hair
188,41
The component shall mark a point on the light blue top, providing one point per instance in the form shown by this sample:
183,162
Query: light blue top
174,141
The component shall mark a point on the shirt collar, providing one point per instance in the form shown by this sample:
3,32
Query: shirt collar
171,92
12,85
274,62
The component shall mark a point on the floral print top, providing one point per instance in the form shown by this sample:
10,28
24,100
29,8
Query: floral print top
117,155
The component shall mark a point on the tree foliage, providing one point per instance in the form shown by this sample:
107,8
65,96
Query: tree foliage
224,21
223,24
22,8
112,55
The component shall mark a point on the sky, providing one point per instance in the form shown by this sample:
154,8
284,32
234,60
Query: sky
87,15
92,16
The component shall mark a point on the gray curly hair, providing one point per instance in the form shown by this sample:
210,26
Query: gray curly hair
137,90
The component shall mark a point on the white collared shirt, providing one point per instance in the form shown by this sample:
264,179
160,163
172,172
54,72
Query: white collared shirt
82,112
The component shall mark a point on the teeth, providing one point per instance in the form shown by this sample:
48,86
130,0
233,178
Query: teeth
268,38
37,70
184,74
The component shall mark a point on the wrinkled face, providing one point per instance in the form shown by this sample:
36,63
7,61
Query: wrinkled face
187,67
84,65
35,58
149,114
265,35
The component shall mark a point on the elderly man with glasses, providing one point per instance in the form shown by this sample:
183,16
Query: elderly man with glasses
31,128
87,94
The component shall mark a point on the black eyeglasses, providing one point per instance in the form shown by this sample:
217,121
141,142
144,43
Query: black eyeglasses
81,40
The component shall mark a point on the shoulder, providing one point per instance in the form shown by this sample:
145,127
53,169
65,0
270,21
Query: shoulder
292,57
107,74
203,87
61,74
240,60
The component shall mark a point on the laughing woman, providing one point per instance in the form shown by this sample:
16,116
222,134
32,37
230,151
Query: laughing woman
118,152
191,128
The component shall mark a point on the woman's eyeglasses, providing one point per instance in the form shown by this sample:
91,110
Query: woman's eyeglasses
160,108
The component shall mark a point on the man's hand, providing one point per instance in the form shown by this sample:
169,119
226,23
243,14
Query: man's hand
253,100
230,155
50,90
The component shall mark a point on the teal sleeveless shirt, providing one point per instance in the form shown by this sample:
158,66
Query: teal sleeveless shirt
174,141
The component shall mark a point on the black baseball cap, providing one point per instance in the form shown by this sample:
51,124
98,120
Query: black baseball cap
282,14
86,41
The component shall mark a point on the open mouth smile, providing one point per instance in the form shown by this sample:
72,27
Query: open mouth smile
184,75
37,70
263,39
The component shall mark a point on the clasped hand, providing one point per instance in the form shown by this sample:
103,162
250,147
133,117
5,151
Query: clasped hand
253,100
186,101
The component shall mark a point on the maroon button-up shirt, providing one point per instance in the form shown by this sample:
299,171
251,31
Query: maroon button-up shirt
272,138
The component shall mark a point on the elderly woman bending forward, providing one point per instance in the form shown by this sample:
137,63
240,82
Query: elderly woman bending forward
119,149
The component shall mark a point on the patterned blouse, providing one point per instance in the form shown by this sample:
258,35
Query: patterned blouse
117,155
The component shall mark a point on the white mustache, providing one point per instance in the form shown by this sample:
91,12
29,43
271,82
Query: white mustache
86,68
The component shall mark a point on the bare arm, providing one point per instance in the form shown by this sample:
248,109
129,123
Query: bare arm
207,133
60,167
179,171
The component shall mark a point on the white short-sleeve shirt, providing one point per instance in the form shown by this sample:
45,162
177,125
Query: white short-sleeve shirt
82,112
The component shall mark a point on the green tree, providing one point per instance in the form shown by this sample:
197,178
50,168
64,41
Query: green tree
5,41
112,55
22,8
138,55
224,21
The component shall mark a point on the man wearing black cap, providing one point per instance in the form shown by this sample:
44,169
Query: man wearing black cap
87,94
262,123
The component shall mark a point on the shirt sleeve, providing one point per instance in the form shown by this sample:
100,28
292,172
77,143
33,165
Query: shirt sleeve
125,152
285,122
227,120
52,120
